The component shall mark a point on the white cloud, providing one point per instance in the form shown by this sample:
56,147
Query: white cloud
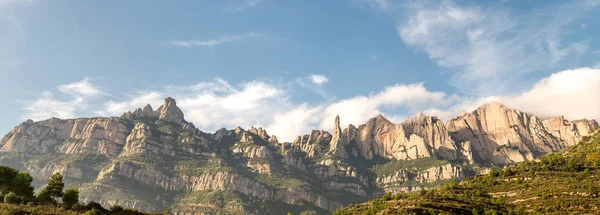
572,93
374,57
319,79
215,104
596,65
214,42
583,26
82,88
489,48
316,84
138,100
359,109
295,122
75,97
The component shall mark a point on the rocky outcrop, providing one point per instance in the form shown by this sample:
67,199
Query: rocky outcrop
497,134
145,158
336,146
419,137
569,132
401,180
314,144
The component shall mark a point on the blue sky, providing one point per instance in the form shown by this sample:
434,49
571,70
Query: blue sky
291,66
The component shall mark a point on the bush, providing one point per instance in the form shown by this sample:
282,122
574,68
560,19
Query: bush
116,209
94,205
93,211
310,212
11,198
71,197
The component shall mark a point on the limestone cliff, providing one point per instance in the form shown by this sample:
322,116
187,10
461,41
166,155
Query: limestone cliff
497,134
151,159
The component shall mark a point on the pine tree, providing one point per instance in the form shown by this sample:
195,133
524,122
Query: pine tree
71,197
54,189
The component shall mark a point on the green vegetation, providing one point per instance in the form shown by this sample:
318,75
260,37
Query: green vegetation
18,197
415,166
558,183
279,181
215,202
71,197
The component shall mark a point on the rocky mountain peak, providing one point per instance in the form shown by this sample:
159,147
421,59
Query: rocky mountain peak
262,133
147,108
336,146
170,112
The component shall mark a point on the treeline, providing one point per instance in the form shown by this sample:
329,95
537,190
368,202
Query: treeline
16,189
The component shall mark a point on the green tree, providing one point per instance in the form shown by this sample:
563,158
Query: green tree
71,197
11,198
55,186
21,185
309,212
116,209
7,175
44,196
93,211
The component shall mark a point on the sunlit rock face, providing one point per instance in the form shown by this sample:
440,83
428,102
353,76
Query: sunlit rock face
151,159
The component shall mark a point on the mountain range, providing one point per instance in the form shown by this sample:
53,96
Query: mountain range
154,159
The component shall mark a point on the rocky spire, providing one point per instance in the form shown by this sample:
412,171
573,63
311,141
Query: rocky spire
147,108
170,112
336,147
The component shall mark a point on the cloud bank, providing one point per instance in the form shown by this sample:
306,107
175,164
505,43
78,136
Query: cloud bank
216,104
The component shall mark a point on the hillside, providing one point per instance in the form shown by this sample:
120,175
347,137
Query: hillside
151,160
559,183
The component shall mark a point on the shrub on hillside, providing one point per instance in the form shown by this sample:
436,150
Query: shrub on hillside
11,198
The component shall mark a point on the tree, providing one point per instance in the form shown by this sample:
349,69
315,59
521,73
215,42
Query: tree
55,187
116,209
11,198
71,197
93,211
7,175
95,205
44,196
309,212
21,185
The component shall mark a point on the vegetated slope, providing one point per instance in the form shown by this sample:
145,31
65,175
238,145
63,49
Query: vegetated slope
152,160
565,182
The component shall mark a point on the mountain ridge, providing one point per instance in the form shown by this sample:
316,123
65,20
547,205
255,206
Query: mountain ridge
158,151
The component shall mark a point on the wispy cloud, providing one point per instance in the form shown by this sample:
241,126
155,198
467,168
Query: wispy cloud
315,83
489,49
242,5
319,79
73,98
9,63
374,57
214,42
215,104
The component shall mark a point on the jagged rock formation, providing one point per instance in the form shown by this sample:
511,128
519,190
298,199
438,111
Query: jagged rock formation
150,159
497,134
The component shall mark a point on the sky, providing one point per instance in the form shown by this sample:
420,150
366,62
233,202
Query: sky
292,66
